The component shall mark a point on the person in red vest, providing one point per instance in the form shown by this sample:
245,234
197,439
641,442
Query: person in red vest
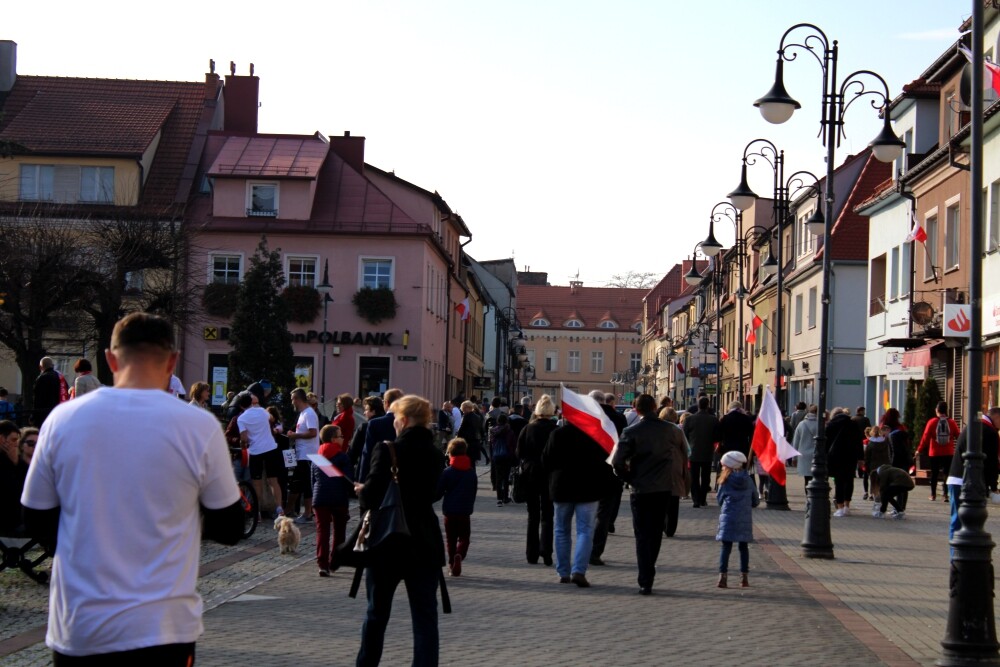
938,441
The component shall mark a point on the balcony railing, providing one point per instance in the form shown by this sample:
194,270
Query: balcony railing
262,213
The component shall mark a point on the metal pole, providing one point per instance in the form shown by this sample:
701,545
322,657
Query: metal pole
322,391
777,494
817,541
718,334
970,635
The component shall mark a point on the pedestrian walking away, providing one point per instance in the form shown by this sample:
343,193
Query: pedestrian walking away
737,496
702,432
938,443
652,457
530,444
110,604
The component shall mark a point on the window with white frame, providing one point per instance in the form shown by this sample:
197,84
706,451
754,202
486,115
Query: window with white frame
993,227
262,200
596,361
37,181
376,272
634,361
798,313
573,361
551,361
608,324
807,242
894,271
931,244
226,269
951,236
302,271
97,185
574,324
540,322
812,307
904,271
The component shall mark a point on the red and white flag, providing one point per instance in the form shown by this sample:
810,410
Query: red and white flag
917,232
751,335
769,442
463,309
756,322
725,355
680,368
991,71
587,415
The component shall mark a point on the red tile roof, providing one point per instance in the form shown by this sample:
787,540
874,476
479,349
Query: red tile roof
590,305
849,235
111,117
270,156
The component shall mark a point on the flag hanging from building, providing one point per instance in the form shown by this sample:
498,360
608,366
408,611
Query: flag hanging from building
463,309
725,355
587,415
769,444
991,71
680,368
756,322
751,335
917,232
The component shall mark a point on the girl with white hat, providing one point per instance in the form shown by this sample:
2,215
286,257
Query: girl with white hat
737,496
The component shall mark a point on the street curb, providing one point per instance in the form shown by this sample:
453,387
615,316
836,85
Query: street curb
853,622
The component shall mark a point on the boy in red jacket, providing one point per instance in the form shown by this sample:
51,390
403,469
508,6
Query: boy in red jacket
938,441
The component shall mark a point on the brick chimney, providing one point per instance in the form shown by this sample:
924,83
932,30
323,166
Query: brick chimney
350,149
240,96
8,66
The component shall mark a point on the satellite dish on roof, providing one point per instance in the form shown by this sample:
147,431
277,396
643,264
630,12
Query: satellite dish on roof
965,85
922,312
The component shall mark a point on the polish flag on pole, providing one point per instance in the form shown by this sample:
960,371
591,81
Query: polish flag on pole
769,444
991,71
725,355
756,322
751,335
680,368
587,415
917,232
463,309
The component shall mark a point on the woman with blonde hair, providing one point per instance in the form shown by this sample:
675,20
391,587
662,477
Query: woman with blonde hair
418,558
530,443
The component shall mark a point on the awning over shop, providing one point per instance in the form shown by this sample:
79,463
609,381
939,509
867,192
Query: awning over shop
920,357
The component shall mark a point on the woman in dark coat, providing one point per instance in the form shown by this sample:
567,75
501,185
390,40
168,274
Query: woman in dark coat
418,563
845,449
530,443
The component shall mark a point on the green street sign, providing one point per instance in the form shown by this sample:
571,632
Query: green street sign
853,382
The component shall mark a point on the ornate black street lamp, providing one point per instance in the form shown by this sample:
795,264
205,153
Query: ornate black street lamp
777,106
970,634
324,288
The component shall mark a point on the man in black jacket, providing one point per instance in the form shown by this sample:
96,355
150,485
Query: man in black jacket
991,444
610,503
735,431
702,432
46,390
649,457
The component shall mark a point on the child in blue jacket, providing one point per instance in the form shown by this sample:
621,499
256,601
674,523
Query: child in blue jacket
457,485
330,498
737,497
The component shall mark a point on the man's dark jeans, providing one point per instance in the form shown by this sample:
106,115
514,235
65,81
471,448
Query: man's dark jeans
607,512
167,655
649,511
540,512
701,477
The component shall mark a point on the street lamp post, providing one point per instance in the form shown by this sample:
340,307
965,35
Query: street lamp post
777,106
324,289
970,634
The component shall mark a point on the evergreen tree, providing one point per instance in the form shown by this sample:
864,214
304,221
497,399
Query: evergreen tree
261,342
910,408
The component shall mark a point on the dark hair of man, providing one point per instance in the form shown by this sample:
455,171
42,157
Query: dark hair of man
801,405
3,392
501,419
391,395
298,393
142,333
610,399
374,403
496,402
244,399
645,405
7,427
703,403
942,408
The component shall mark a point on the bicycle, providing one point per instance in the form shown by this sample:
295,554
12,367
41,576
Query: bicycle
248,500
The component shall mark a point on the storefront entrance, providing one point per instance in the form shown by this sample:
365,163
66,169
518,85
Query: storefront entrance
373,376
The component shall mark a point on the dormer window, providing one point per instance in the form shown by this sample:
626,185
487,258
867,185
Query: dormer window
574,324
262,200
608,324
638,327
540,322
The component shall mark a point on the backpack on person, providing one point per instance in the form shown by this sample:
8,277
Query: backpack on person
943,431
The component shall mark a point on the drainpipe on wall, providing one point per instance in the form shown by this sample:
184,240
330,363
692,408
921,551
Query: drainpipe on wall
913,247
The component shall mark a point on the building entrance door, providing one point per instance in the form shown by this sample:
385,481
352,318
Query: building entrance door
373,376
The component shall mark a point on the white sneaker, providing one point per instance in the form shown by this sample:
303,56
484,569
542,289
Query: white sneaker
877,514
847,511
899,516
839,512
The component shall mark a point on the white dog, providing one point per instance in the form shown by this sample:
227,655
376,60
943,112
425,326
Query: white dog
288,534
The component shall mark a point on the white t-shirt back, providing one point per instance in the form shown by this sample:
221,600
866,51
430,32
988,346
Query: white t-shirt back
307,446
125,570
257,423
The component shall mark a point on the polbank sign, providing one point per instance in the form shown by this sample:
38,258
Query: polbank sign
373,338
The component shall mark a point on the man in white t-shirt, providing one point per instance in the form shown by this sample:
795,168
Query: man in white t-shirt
258,438
305,437
123,507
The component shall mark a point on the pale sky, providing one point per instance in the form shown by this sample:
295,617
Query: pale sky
575,136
